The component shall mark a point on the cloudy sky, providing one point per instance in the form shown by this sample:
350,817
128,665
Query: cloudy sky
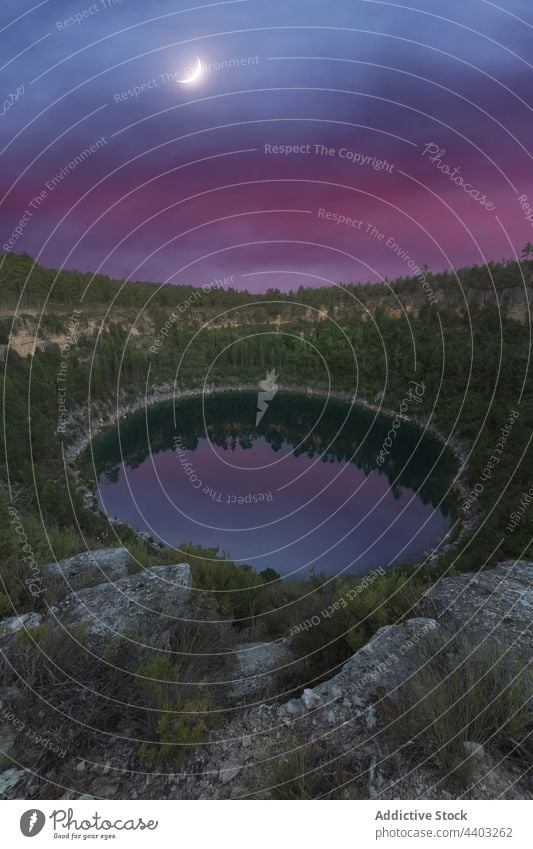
412,120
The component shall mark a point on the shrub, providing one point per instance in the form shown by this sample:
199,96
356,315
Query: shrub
143,556
179,724
307,772
178,732
289,776
51,654
464,692
344,614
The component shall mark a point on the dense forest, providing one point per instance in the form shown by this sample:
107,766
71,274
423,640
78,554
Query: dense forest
475,370
24,284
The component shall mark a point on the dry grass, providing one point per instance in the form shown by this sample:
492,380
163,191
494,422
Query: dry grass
465,693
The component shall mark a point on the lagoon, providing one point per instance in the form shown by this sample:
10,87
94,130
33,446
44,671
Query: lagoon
302,490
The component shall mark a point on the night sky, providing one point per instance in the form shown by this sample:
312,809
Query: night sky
185,182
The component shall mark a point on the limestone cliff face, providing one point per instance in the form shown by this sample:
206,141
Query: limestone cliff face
512,303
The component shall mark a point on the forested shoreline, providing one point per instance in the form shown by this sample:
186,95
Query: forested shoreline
475,371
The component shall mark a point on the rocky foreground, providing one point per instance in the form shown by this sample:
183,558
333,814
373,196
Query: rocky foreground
69,713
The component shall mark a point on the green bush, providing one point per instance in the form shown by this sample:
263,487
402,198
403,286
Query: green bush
289,776
179,733
339,616
178,724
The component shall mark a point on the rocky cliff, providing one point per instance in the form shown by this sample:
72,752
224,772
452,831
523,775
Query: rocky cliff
29,333
70,717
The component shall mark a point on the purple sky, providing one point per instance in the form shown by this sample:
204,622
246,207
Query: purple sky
180,187
330,515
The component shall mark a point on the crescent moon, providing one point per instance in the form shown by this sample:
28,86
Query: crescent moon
195,74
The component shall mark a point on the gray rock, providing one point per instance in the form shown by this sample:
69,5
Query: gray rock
496,603
19,623
338,712
474,750
382,664
256,667
294,708
228,773
8,736
107,790
312,700
91,567
371,776
141,607
371,718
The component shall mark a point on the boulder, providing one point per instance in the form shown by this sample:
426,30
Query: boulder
495,603
91,567
312,700
381,665
377,668
19,623
256,668
295,707
229,772
141,607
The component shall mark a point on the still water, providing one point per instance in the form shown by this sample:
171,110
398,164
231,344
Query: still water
301,489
